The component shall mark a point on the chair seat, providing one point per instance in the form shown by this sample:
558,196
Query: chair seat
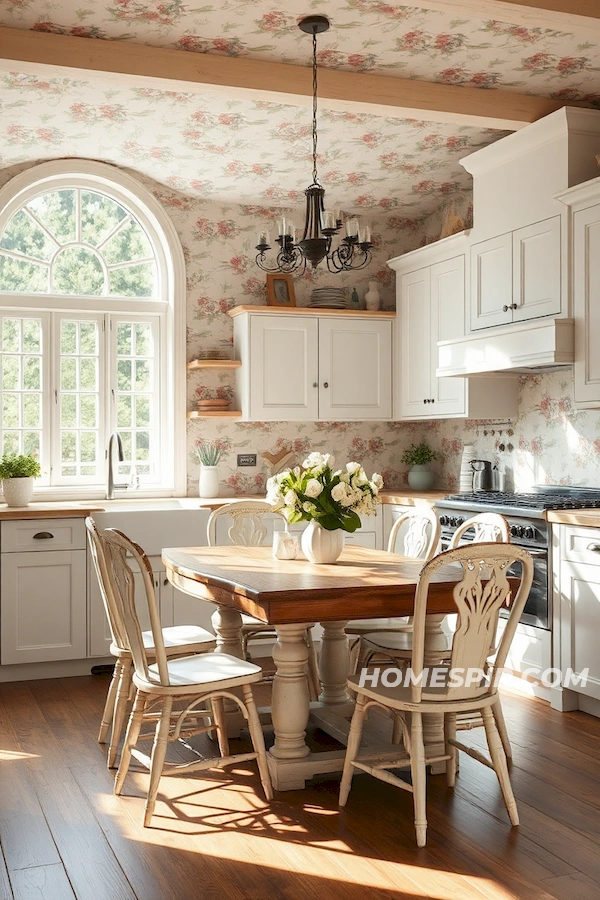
364,626
401,642
178,635
209,670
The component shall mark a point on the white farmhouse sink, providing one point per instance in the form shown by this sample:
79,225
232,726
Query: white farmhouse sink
131,504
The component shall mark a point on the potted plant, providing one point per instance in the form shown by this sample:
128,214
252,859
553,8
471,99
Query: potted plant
209,453
17,473
330,501
418,457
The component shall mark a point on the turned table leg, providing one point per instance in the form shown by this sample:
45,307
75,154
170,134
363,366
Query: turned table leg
334,664
227,623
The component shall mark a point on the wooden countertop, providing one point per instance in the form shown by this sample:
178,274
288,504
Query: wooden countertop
400,496
59,510
589,518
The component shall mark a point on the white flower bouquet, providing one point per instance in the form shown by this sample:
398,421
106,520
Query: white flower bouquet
335,499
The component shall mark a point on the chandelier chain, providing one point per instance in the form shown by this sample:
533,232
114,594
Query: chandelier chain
314,120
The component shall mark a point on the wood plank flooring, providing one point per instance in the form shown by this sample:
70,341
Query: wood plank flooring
63,834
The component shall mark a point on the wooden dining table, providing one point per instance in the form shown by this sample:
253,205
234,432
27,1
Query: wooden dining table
293,595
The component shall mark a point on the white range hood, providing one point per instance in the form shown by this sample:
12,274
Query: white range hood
524,348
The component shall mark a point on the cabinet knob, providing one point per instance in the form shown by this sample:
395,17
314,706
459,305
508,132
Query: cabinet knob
595,548
513,305
325,384
43,536
315,384
432,400
506,308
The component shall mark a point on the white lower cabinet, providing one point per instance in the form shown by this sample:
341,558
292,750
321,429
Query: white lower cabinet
43,613
578,618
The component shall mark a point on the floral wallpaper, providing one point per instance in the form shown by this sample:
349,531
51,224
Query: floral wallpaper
235,150
366,36
551,441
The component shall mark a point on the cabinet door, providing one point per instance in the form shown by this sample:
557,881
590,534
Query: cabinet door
415,344
284,368
536,270
491,282
43,614
586,288
580,624
355,369
449,395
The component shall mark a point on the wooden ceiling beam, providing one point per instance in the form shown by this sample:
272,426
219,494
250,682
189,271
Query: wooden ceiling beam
570,16
133,64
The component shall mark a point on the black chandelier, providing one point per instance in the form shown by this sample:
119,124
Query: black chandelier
354,250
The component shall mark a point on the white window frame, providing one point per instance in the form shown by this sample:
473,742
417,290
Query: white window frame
171,305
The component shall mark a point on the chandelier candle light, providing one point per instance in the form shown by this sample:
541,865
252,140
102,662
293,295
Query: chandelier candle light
354,251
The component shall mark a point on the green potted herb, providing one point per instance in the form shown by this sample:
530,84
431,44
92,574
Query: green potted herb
418,457
209,453
17,473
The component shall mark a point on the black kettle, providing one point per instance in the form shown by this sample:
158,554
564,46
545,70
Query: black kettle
483,479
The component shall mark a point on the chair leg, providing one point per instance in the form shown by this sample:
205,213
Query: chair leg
219,718
258,740
109,706
501,726
157,759
450,735
354,650
121,702
314,682
418,777
131,739
499,763
354,736
365,654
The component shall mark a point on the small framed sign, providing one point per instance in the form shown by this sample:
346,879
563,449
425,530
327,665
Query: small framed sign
280,290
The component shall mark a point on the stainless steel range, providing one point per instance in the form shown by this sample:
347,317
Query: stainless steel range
526,516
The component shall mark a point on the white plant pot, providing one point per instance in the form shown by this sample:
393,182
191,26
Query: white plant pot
17,491
420,478
321,546
208,484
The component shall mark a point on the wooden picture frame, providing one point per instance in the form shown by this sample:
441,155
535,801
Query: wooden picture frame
280,290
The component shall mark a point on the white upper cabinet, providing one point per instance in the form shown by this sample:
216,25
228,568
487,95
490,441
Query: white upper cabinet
430,295
584,204
517,276
299,365
519,256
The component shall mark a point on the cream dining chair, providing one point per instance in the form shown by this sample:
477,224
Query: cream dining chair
249,530
415,533
176,694
486,527
483,590
179,640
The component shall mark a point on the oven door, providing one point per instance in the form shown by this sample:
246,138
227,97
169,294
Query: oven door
537,608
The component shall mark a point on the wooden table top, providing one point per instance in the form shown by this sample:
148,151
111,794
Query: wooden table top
363,584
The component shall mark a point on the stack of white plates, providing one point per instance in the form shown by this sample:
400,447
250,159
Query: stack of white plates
466,472
329,298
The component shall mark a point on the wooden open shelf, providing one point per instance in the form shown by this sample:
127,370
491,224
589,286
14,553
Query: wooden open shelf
211,414
213,364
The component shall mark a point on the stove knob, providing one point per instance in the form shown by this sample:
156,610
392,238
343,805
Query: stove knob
460,520
529,532
516,530
444,520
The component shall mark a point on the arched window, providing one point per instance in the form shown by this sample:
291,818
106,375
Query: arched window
92,328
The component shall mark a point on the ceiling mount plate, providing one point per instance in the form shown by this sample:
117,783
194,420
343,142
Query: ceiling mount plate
314,24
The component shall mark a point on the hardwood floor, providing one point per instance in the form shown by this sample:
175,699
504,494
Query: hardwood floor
64,834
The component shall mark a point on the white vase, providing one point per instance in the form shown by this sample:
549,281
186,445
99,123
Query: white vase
372,299
420,478
320,545
17,491
208,484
